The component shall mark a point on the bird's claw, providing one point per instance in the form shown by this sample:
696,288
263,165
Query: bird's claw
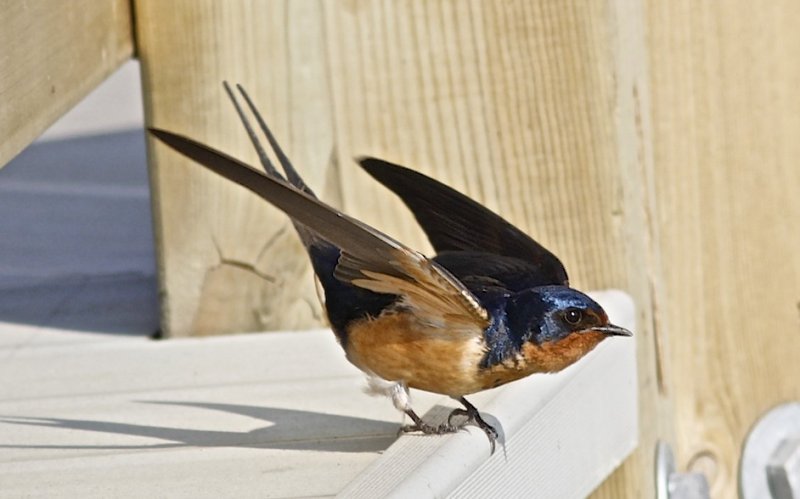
474,418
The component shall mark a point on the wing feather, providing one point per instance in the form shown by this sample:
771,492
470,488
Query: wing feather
454,222
370,259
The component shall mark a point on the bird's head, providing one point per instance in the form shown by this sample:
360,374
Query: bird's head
552,313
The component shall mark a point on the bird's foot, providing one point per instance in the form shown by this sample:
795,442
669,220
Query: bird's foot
427,429
473,417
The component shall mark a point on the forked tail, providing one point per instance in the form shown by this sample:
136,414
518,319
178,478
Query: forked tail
308,236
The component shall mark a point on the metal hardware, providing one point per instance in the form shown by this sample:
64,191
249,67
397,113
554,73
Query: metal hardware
673,485
770,464
783,470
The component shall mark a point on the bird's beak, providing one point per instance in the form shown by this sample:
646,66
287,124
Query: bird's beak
612,330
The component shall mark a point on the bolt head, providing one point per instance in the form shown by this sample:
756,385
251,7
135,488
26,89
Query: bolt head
783,470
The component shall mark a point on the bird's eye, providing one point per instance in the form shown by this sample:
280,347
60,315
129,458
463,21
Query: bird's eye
573,316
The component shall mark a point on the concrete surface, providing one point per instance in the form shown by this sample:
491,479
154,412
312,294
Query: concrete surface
76,236
76,243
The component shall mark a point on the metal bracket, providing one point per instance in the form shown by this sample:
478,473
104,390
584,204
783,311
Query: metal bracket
770,464
673,485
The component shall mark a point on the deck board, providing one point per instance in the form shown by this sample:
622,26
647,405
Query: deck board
283,414
266,415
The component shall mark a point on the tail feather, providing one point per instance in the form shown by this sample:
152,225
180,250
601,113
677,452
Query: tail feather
308,236
294,178
345,301
262,154
339,297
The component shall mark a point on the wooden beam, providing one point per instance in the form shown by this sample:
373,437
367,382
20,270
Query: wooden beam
726,117
538,109
52,53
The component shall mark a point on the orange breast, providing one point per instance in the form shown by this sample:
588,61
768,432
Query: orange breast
396,347
547,357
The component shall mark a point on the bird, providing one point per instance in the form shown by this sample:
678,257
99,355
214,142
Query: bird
492,305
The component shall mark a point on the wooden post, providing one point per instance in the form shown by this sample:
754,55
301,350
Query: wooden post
52,53
539,109
726,116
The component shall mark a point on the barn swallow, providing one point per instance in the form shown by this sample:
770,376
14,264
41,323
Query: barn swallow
492,306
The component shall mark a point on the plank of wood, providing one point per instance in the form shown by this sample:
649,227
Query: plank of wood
632,209
726,118
281,414
228,261
538,109
52,53
270,415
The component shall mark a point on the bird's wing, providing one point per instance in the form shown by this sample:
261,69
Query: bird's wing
513,274
370,259
454,222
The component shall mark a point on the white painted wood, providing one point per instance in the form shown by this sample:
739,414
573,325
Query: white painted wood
263,415
283,415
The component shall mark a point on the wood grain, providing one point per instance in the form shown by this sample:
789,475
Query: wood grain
539,109
228,261
52,53
726,120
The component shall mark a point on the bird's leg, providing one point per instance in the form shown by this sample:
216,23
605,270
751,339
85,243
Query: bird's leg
474,417
398,391
420,425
